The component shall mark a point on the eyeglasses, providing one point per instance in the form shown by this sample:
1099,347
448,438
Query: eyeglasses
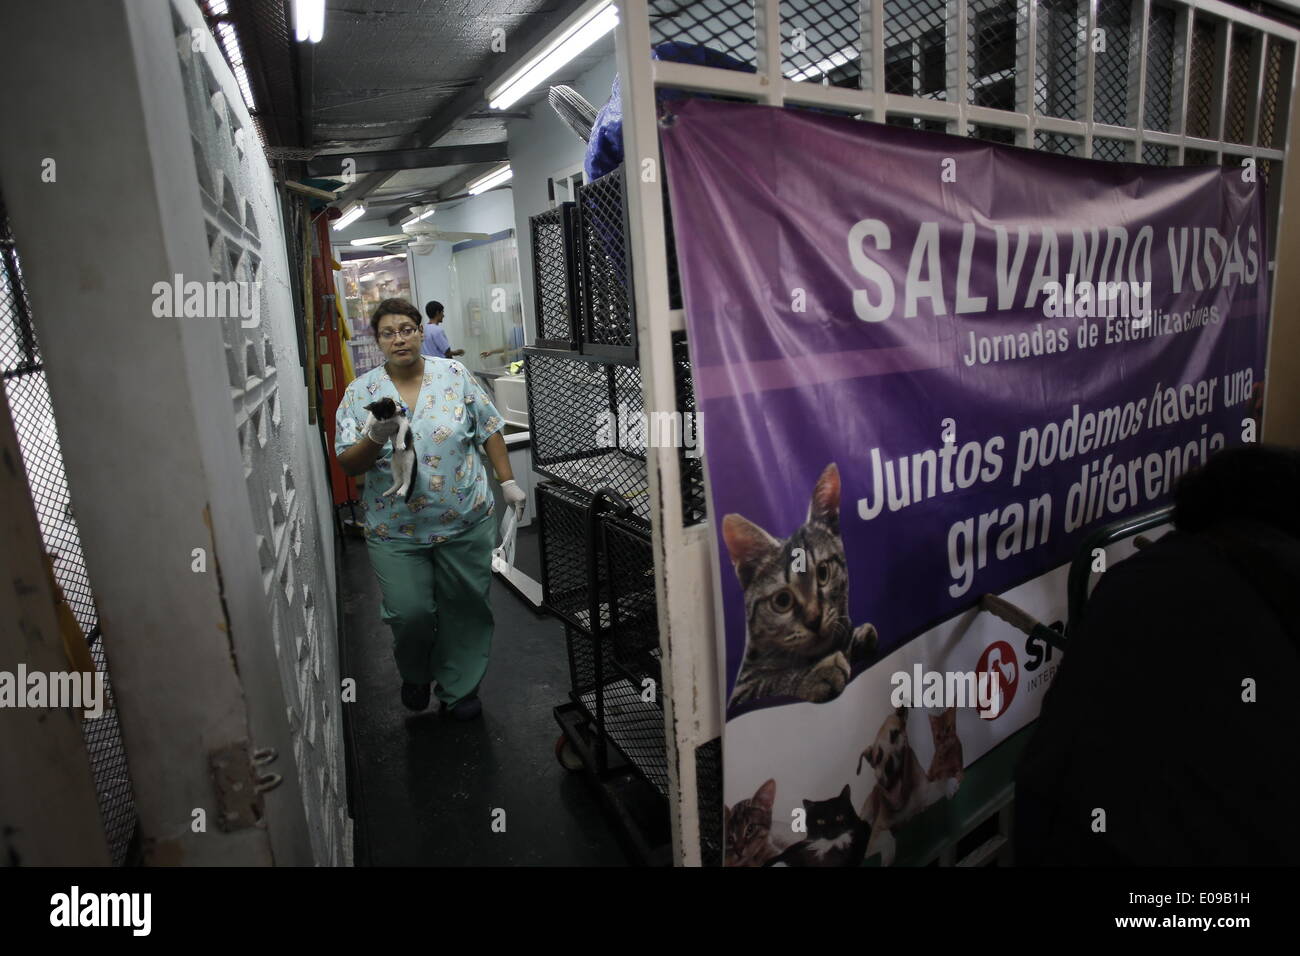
405,331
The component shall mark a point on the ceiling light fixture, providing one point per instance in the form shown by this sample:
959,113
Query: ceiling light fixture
309,20
419,213
491,180
567,41
349,217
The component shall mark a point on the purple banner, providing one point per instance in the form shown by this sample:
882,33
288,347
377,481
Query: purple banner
997,349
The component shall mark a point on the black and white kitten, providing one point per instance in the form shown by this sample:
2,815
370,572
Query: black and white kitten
837,836
403,447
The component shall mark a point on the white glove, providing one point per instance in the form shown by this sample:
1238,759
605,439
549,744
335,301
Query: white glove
379,431
514,495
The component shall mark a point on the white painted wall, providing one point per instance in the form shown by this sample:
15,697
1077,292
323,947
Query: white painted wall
539,147
180,433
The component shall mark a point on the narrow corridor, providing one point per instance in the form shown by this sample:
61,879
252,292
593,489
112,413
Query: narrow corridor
427,786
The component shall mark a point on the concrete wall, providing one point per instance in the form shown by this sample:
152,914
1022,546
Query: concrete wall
180,432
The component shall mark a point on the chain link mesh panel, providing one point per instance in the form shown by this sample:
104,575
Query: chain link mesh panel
624,576
1158,108
1058,143
1276,103
723,25
821,41
557,296
916,49
1058,72
1112,150
1198,157
1114,71
1241,96
991,45
30,407
588,425
992,134
566,589
1154,154
708,783
1200,81
608,323
631,724
634,631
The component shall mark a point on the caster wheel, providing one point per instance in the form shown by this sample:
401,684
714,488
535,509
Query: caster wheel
565,755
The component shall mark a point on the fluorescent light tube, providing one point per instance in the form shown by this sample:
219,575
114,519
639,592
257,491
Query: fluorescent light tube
418,217
585,29
349,217
491,180
309,20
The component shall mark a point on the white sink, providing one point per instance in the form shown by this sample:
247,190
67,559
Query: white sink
512,399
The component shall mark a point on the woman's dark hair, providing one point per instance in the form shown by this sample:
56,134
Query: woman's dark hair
1250,482
431,309
394,307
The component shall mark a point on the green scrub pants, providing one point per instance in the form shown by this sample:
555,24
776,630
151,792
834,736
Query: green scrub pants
436,601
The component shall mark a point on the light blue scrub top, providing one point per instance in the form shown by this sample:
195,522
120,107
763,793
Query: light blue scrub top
452,416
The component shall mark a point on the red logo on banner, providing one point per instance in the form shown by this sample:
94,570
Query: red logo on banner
999,662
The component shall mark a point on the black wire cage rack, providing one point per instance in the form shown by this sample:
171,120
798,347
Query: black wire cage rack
557,292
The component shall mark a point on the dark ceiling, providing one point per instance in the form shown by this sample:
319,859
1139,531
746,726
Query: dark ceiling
391,78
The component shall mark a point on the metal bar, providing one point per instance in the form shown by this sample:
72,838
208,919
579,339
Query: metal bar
1089,75
687,76
1222,52
1281,214
429,157
963,64
1026,64
767,50
1244,17
1140,13
308,311
683,591
874,41
1256,70
312,191
1182,68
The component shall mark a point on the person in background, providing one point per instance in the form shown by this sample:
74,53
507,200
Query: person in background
1173,712
435,339
433,552
514,347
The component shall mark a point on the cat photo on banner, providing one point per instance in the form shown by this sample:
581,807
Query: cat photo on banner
837,834
800,641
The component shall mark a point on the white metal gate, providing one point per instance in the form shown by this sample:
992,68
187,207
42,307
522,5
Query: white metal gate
1158,82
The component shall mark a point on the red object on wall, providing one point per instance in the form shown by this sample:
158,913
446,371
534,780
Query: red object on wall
329,351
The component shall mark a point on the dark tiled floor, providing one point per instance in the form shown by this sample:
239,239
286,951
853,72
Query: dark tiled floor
427,787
